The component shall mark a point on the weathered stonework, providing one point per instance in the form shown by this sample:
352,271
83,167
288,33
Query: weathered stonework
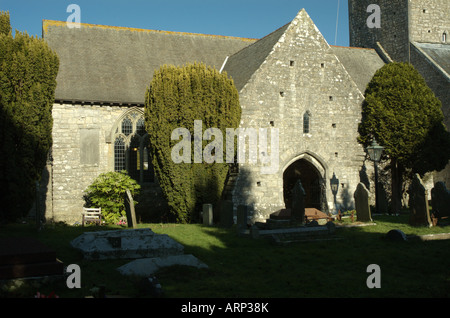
304,67
415,31
280,78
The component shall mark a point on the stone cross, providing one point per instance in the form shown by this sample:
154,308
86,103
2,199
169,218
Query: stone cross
362,204
129,208
418,203
298,203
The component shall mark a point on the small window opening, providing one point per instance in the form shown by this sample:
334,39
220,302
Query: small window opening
331,98
306,123
282,94
444,37
322,65
291,63
258,183
272,123
333,125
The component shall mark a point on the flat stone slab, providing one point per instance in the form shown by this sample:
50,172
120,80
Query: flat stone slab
123,244
148,266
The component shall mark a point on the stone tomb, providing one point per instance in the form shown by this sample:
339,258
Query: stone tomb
27,257
125,244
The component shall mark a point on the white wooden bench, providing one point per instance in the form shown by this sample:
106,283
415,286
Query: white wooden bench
92,215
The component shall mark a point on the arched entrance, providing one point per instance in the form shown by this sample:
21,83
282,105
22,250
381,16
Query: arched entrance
311,180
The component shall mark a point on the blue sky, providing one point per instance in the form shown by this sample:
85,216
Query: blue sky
242,18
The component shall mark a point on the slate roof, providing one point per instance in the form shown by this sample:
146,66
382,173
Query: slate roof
360,63
244,63
438,53
115,65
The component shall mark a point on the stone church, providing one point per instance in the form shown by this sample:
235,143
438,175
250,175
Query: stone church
291,79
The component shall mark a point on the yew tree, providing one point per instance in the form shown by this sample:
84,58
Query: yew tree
28,70
176,98
403,114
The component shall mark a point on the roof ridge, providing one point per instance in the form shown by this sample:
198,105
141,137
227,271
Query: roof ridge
354,47
46,23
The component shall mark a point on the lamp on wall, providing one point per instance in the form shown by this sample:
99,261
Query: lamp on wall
375,151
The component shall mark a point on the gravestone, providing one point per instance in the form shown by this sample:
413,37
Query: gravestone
207,214
418,203
362,199
242,217
298,203
440,198
129,208
226,213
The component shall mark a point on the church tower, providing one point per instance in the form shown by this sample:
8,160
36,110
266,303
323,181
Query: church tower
401,22
414,31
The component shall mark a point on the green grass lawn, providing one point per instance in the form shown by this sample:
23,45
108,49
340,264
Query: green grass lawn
241,267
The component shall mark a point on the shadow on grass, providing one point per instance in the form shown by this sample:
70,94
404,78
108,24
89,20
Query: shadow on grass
241,267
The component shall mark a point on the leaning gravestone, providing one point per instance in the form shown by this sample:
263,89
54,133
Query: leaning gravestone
418,203
298,203
129,208
362,204
440,198
121,244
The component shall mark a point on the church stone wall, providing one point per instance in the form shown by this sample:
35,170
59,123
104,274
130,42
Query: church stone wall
429,19
302,74
80,153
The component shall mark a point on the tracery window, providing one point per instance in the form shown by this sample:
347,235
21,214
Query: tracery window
131,152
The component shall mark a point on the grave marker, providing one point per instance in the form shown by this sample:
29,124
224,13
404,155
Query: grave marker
418,203
129,208
207,214
362,205
298,203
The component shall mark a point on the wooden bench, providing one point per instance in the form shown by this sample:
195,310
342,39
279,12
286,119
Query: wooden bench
93,215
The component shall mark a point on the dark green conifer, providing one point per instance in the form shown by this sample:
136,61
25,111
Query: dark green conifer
28,70
176,97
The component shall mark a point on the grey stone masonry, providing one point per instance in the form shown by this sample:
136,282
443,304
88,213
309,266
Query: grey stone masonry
300,74
80,153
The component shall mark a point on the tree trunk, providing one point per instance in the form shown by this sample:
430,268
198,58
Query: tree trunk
397,180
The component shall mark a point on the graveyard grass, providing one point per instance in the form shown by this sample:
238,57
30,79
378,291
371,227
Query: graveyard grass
241,267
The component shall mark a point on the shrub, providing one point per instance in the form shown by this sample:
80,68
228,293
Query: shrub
108,192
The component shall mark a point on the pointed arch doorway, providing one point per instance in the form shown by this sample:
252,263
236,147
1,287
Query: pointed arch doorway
312,181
